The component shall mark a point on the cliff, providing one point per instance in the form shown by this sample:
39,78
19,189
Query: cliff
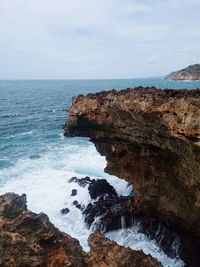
30,239
192,72
150,138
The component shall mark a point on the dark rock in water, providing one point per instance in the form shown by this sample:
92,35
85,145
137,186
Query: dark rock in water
75,202
98,188
113,213
81,182
168,239
65,211
78,206
74,192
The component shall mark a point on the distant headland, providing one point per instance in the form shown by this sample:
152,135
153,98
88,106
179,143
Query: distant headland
192,72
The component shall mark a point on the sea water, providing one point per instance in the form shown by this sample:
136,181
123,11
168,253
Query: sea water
36,159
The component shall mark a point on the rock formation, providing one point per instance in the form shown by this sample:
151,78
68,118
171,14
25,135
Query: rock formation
106,253
107,210
29,239
192,73
151,138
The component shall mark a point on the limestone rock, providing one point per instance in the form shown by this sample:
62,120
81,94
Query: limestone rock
29,239
151,138
107,253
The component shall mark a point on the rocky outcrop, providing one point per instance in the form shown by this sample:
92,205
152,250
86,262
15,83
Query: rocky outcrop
29,239
151,138
192,73
106,210
106,253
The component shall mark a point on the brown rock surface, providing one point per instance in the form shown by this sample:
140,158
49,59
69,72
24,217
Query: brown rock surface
28,239
31,240
106,253
151,138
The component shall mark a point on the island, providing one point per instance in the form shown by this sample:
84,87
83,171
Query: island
191,73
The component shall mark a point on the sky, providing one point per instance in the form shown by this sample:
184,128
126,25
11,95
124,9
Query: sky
97,39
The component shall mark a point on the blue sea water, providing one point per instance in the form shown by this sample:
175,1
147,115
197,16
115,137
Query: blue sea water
36,159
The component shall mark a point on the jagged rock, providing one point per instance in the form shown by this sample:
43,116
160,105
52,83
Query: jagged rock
30,239
111,211
74,192
65,211
106,253
151,138
101,187
82,181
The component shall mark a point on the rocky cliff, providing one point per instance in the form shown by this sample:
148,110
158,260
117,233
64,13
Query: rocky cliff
30,239
106,253
192,72
151,138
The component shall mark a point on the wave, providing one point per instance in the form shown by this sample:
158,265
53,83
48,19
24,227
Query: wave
17,135
10,115
45,181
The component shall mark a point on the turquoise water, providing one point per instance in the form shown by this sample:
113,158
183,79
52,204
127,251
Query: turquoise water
37,160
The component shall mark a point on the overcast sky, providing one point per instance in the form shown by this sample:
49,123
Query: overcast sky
69,39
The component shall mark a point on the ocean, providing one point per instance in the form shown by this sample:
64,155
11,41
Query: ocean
36,159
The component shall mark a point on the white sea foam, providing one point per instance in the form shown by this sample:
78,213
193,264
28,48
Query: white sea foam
45,181
17,135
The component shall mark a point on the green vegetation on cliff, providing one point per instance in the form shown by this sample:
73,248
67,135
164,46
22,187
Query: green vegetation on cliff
192,72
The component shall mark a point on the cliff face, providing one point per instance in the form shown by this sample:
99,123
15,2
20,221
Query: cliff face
192,72
30,239
151,138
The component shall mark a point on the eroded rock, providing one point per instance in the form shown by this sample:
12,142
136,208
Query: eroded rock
151,138
30,239
106,253
107,211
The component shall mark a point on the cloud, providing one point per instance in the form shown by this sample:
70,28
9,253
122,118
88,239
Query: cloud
97,39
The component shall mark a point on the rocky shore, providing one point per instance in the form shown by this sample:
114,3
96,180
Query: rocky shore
30,239
150,138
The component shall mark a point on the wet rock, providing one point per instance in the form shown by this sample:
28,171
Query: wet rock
74,192
80,181
30,239
107,253
65,211
75,202
109,211
101,187
112,213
